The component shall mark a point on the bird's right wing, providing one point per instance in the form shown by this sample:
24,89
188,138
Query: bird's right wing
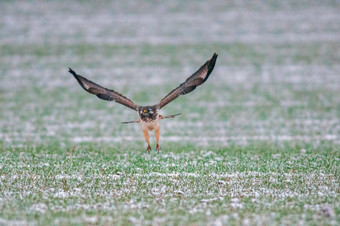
103,93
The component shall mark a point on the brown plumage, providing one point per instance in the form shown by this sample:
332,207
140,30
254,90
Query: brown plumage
101,92
149,115
199,77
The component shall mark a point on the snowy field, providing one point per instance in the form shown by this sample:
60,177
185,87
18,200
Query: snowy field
258,143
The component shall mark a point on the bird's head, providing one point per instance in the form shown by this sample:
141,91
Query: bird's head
147,112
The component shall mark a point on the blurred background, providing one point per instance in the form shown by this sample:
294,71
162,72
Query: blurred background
276,78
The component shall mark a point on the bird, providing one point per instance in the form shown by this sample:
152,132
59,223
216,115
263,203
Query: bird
148,116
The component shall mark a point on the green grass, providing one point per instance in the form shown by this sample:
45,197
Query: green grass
182,184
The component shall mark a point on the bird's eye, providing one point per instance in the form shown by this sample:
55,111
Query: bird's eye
145,110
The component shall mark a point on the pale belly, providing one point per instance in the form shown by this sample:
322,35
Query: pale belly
150,125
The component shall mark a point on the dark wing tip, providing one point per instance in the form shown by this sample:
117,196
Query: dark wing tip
72,72
212,61
211,65
79,79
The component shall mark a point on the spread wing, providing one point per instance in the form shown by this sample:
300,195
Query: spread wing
101,92
198,78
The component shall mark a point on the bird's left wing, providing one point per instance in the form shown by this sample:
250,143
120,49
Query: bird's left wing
103,93
198,78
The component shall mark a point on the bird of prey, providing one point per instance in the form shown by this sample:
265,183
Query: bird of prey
149,115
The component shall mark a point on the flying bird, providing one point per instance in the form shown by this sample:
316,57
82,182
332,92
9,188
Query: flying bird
149,115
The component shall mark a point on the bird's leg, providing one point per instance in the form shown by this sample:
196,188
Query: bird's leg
157,138
146,136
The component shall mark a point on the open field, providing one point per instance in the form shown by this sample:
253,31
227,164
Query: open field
259,143
95,184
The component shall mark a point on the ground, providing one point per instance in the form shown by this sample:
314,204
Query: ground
258,143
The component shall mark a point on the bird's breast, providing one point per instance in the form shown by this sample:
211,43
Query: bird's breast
149,123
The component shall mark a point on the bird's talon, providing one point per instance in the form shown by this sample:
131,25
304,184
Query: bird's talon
148,149
158,148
